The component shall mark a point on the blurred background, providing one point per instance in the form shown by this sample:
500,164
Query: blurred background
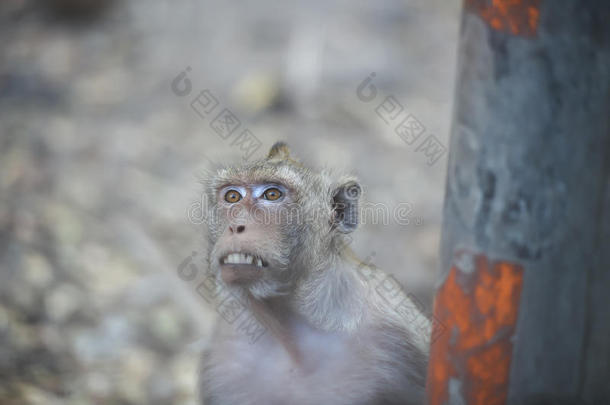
100,156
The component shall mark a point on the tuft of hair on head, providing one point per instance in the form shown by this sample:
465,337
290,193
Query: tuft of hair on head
279,151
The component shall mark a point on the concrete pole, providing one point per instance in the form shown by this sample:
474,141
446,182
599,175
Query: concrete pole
523,300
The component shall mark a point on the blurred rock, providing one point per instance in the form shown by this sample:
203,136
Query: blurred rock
257,92
37,271
137,367
63,302
166,325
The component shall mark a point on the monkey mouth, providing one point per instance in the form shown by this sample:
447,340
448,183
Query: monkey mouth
241,268
240,258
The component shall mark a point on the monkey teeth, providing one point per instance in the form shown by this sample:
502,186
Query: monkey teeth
241,258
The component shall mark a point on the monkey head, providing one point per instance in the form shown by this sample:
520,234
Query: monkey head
273,221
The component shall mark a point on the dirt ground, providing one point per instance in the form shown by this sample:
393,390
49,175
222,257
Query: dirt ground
101,148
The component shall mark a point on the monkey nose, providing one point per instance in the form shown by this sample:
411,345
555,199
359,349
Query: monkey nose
237,229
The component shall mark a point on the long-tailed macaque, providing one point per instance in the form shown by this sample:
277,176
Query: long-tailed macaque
277,241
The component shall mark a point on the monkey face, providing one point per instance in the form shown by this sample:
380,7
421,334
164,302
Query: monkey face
253,244
272,219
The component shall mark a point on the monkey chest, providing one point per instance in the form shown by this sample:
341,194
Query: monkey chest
331,370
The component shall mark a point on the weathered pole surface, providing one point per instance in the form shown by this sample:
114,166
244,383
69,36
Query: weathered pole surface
524,293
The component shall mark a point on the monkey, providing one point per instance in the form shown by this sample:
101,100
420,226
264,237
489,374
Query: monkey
278,243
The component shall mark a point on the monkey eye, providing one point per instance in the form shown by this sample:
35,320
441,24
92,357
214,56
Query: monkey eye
272,194
232,196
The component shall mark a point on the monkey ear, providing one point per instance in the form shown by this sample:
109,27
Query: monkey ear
280,151
345,206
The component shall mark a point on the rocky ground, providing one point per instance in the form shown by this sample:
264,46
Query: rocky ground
99,158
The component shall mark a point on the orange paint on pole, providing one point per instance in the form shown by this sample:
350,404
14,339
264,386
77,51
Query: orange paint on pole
477,305
518,17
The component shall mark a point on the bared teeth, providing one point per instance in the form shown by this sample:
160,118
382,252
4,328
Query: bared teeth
242,258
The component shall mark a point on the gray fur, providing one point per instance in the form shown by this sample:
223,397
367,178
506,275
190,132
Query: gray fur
333,339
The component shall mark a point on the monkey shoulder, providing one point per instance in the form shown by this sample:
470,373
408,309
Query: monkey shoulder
396,321
388,302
